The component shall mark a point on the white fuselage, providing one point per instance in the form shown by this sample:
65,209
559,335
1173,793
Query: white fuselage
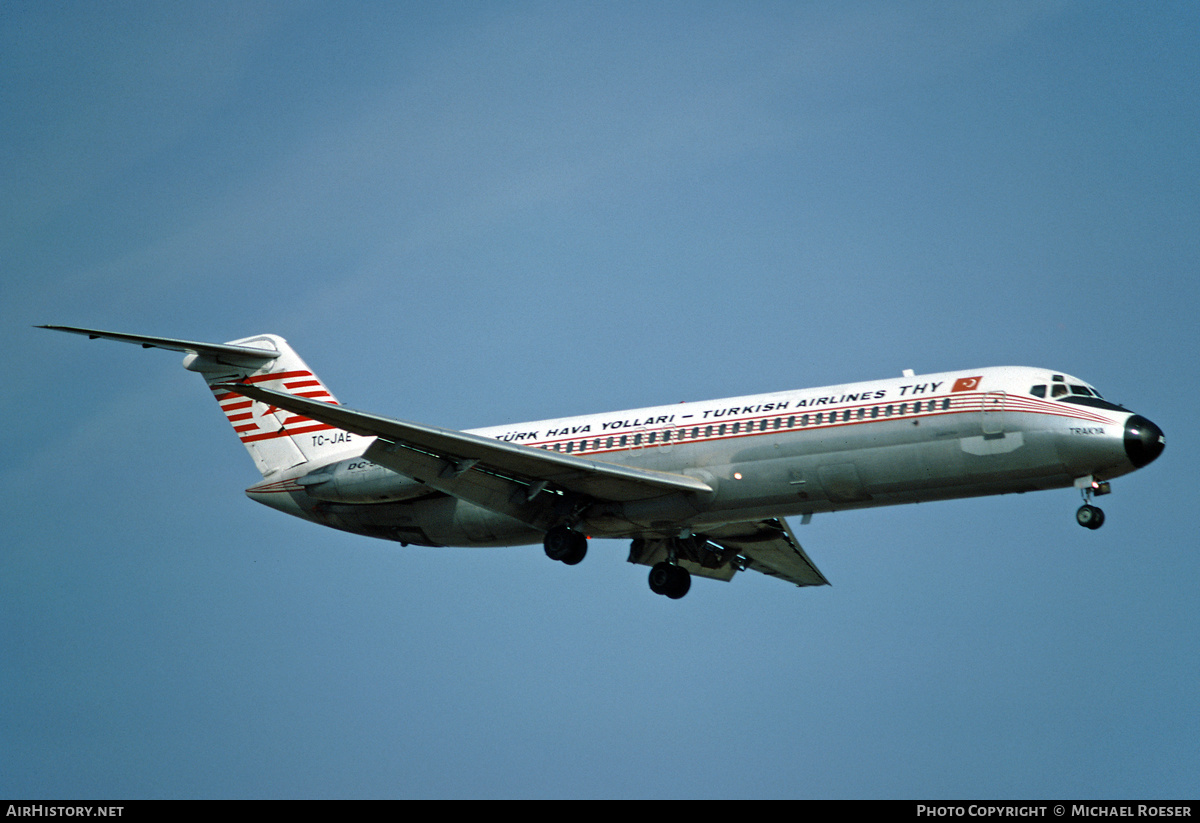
879,443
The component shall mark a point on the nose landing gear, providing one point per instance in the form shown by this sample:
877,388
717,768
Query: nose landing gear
1089,516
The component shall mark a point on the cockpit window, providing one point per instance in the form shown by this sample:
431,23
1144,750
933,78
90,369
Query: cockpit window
1084,390
1058,390
1038,391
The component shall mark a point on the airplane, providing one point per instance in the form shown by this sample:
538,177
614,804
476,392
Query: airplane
701,489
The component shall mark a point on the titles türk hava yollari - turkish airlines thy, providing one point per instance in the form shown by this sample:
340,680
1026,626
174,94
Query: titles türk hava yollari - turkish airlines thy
701,489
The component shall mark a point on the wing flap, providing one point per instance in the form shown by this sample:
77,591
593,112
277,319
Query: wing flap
769,546
766,546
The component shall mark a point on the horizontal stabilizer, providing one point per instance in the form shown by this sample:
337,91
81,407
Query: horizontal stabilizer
242,356
275,440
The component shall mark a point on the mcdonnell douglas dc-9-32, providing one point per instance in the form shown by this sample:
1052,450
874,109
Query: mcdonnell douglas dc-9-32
699,488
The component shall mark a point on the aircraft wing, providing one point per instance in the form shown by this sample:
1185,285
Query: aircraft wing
503,477
769,547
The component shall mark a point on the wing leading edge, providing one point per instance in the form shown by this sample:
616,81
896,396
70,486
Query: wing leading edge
480,469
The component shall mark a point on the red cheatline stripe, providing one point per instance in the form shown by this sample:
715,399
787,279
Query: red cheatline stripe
961,403
266,378
312,427
283,375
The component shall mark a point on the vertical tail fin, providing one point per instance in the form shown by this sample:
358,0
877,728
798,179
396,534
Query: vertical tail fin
276,439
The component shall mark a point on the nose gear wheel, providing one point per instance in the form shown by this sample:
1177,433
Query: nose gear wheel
1089,516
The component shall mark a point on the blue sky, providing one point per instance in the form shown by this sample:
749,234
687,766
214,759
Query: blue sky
477,213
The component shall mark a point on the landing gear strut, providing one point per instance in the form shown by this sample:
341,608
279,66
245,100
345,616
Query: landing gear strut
673,581
561,543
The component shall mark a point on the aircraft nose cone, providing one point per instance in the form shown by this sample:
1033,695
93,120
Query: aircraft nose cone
1144,441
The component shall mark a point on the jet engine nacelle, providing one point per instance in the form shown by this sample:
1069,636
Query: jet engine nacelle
358,480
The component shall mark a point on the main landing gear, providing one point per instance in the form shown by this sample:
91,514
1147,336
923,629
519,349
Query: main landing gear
1089,516
671,580
568,546
565,545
